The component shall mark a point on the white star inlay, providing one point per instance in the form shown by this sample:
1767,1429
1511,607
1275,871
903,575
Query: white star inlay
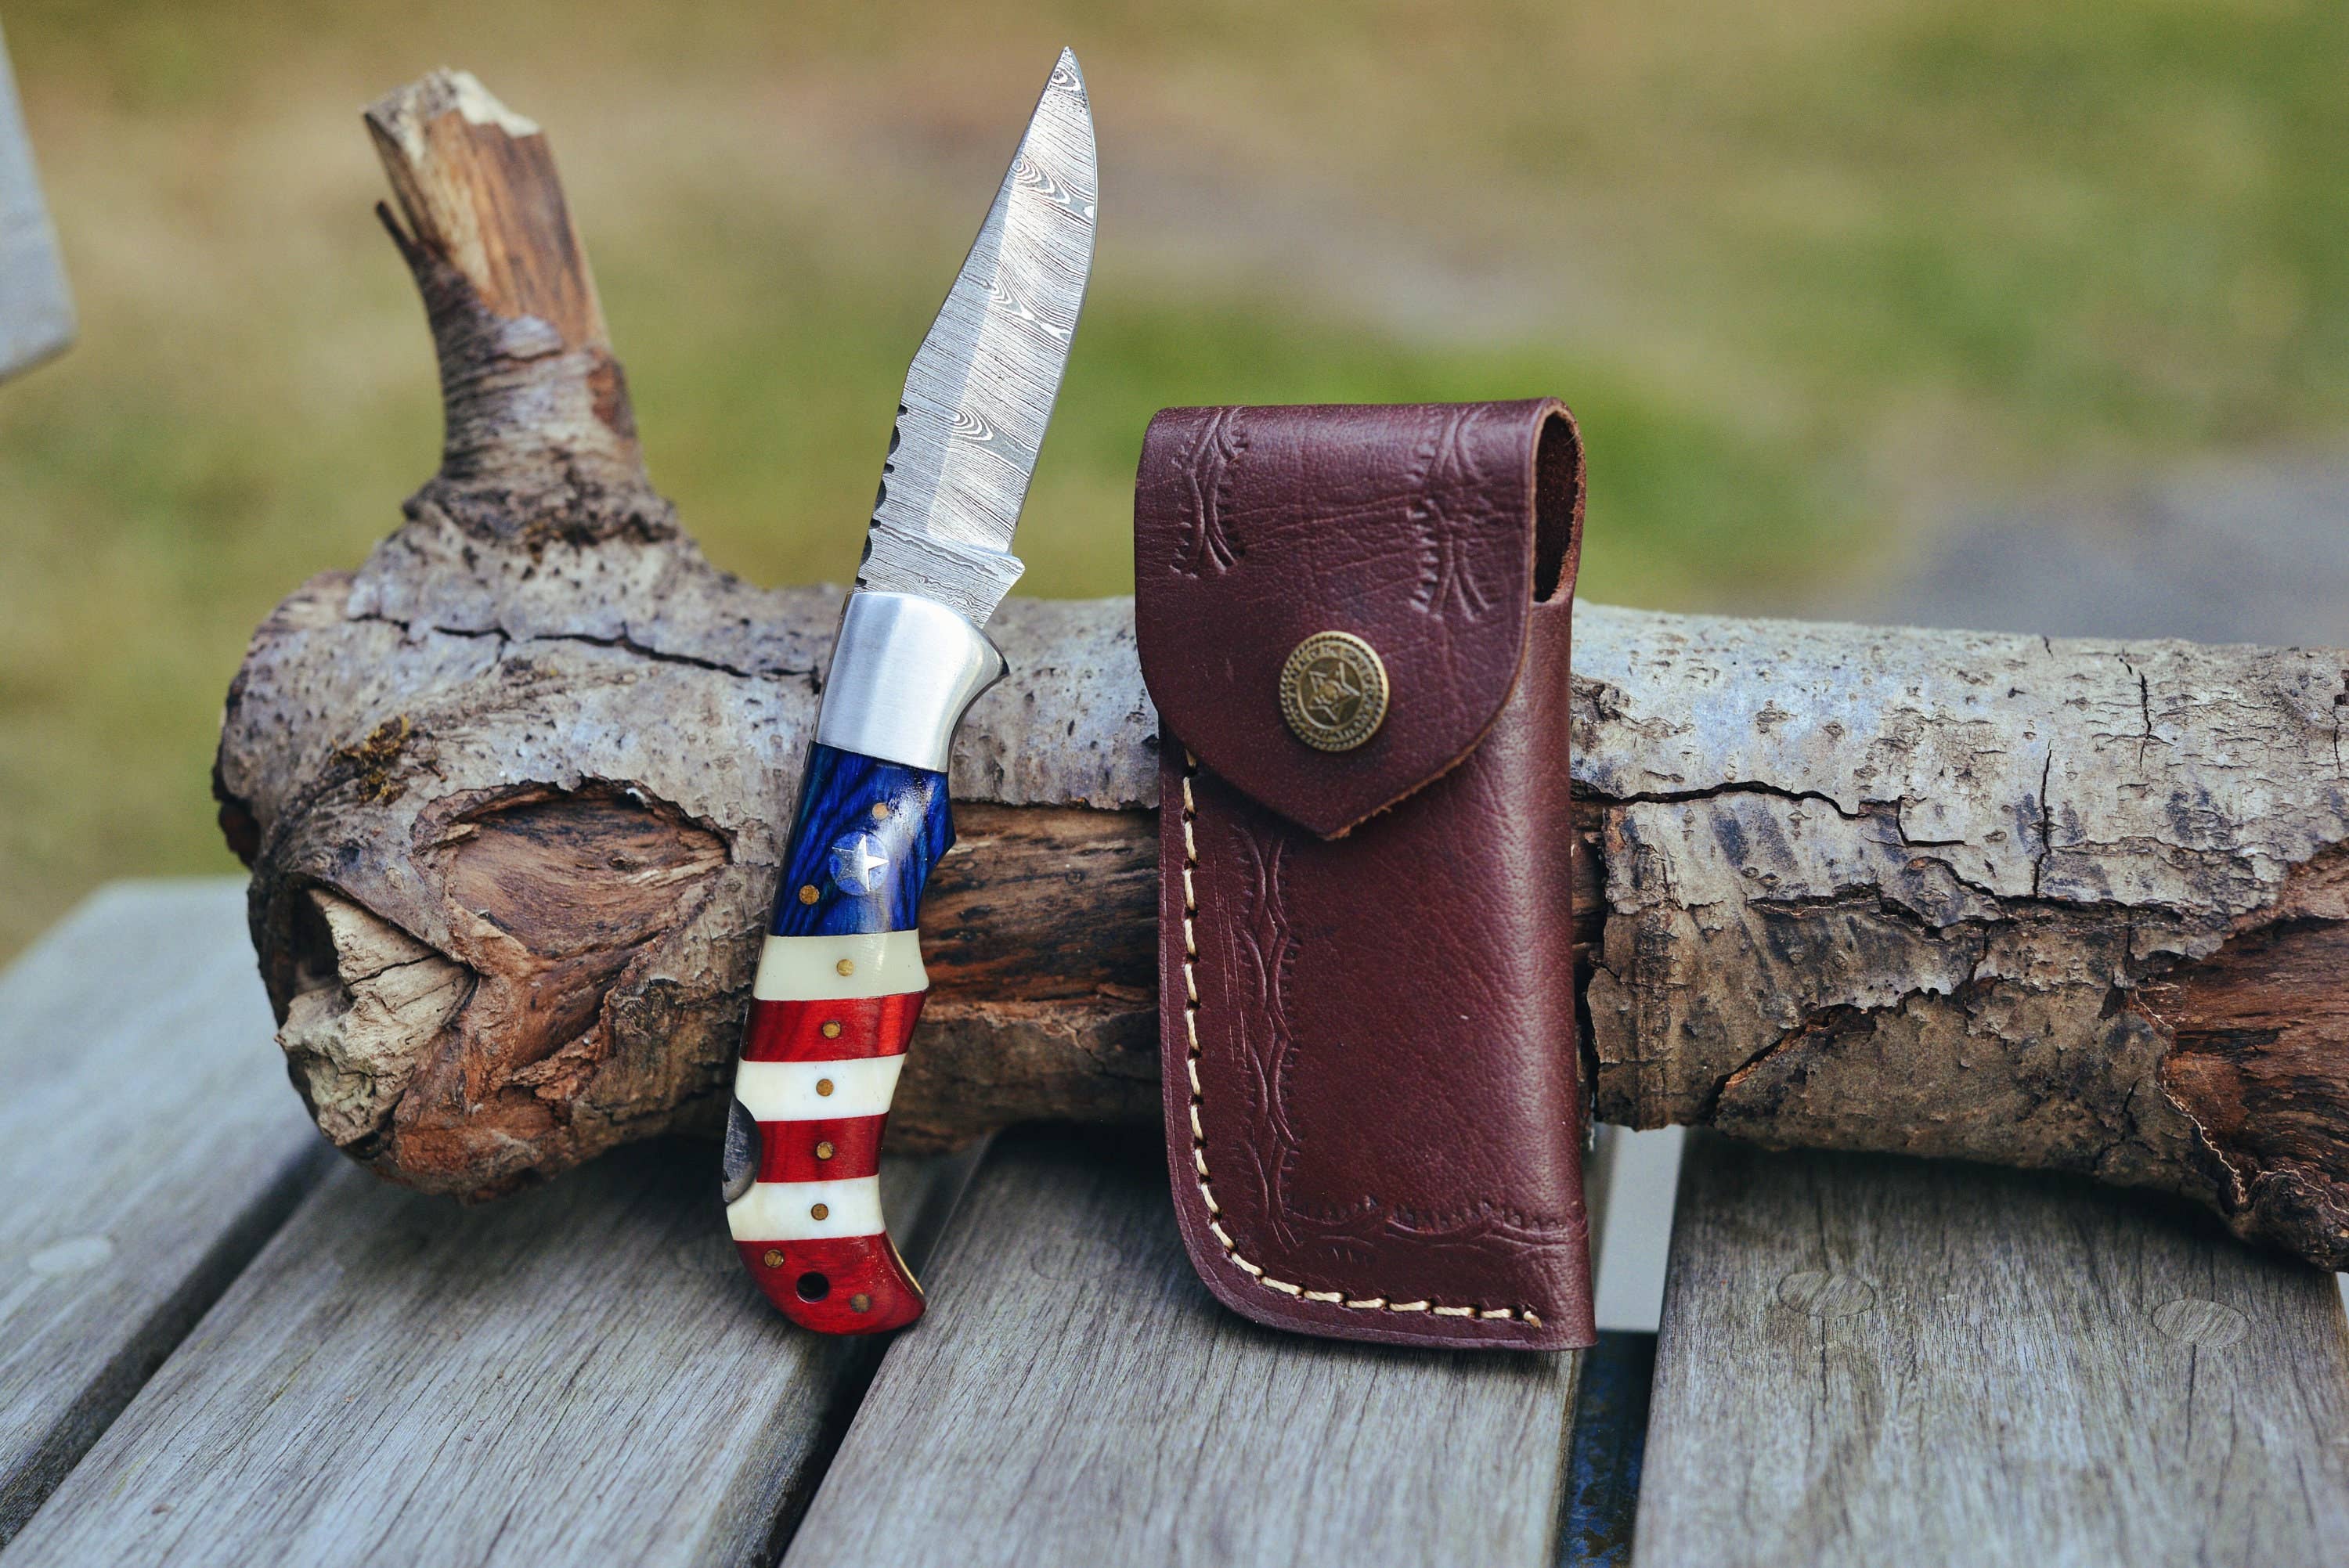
858,863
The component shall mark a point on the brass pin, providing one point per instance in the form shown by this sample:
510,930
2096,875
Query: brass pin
823,1152
774,1258
860,1302
880,810
820,1212
831,1030
808,893
847,966
824,1086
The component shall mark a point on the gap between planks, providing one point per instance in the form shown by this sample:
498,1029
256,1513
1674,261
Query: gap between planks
581,1373
1075,1397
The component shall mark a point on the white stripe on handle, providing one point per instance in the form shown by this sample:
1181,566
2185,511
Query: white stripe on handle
785,1210
798,1091
808,968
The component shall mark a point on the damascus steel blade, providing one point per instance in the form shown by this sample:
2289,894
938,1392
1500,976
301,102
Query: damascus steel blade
980,391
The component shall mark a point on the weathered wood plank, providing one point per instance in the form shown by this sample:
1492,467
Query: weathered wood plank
578,1375
1075,1397
1867,1360
148,1148
37,314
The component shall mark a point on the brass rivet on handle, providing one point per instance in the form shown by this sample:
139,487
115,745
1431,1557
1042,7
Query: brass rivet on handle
880,810
845,966
774,1258
824,1086
1333,691
831,1030
860,1302
808,893
823,1152
820,1212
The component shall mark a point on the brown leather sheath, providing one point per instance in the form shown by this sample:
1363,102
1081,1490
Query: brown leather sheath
1374,1112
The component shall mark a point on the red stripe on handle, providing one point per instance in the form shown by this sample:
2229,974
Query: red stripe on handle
865,1026
796,1151
845,1285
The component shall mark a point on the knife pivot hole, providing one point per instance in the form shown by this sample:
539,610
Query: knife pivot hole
814,1286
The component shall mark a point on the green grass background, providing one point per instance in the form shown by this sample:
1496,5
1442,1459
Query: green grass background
1811,274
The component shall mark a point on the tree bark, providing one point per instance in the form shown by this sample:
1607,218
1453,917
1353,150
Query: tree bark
514,793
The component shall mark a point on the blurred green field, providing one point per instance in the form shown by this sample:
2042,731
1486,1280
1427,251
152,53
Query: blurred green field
1809,273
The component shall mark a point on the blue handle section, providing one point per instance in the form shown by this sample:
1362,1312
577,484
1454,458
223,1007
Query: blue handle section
863,843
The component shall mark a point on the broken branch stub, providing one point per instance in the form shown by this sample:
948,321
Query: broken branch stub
514,792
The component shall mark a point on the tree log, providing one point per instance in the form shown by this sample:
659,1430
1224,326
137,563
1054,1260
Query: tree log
514,792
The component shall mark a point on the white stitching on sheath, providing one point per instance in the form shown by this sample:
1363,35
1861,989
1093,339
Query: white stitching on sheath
1198,1133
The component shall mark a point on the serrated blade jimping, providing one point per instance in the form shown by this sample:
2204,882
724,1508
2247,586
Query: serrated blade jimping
980,391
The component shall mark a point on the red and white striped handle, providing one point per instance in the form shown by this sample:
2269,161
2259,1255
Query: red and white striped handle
839,987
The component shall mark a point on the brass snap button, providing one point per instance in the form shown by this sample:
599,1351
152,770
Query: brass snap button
1333,691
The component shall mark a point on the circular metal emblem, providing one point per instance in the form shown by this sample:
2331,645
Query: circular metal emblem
1333,691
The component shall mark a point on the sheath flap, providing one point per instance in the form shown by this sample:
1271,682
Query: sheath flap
1422,532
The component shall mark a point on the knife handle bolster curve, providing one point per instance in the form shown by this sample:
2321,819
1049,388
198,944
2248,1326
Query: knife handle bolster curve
839,987
903,671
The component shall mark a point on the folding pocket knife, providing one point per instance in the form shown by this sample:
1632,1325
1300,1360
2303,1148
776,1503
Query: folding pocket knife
840,980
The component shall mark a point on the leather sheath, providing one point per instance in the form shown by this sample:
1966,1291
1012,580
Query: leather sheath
1374,1112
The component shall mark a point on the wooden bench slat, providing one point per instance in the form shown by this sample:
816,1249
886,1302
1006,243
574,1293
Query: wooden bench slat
1873,1360
1075,1397
581,1374
148,1147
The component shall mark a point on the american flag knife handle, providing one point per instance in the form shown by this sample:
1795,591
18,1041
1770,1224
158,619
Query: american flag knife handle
840,983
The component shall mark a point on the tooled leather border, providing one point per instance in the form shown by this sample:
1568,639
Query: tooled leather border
1198,1133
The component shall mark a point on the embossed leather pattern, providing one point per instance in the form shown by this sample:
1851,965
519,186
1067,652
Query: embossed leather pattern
1256,528
1374,1105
